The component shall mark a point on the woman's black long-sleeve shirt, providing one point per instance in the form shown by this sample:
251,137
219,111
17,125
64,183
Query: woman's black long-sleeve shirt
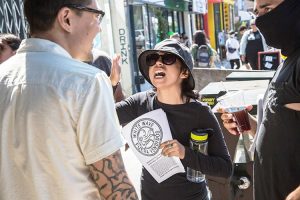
182,118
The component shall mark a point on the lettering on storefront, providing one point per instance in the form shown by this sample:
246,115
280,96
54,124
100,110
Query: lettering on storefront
226,17
211,101
123,44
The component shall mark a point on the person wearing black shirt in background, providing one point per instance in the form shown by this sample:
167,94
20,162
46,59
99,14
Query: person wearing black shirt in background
276,155
102,61
252,42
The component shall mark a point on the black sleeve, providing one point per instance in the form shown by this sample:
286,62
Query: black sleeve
218,161
132,107
297,82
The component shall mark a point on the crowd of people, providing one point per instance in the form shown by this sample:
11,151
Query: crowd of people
61,107
241,47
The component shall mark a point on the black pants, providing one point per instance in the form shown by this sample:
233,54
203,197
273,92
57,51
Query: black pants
236,61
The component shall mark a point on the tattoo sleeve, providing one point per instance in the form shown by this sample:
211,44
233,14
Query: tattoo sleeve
111,178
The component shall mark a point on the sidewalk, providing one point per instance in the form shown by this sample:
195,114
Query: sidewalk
133,167
224,64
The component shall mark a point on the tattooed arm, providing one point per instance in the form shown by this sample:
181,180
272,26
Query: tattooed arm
111,178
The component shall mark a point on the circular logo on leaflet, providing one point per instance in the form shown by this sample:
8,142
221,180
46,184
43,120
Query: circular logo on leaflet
146,136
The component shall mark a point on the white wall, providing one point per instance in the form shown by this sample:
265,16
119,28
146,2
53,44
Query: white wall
114,38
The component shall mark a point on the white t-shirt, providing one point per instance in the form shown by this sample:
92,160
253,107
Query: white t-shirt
57,115
233,43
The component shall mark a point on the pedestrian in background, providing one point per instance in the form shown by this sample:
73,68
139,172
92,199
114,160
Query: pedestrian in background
175,36
242,30
9,43
252,42
60,136
102,61
168,67
232,50
184,39
276,155
201,50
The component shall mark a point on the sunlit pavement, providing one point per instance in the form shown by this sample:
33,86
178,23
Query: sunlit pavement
133,167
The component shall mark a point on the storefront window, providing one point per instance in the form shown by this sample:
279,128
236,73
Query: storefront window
176,22
152,22
217,17
170,22
139,26
199,22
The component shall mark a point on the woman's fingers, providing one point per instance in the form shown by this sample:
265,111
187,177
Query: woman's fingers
172,148
229,123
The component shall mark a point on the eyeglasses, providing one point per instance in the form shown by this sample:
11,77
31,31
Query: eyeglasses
167,58
100,13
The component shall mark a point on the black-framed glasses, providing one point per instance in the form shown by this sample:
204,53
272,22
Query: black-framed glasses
100,13
167,58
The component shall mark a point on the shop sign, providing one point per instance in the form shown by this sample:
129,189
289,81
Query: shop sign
123,44
179,5
200,6
226,17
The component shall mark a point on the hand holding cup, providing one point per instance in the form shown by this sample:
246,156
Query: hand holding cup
235,112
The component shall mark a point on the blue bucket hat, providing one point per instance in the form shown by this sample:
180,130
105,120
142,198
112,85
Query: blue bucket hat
169,46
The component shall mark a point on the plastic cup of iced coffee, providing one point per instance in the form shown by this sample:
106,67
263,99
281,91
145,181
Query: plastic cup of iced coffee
234,103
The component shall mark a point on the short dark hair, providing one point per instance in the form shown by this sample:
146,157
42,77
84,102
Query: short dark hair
200,38
11,40
41,14
242,28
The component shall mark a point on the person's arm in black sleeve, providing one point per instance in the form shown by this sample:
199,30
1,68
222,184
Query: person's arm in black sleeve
218,161
131,108
125,110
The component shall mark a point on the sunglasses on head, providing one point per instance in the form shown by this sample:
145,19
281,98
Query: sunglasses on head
167,59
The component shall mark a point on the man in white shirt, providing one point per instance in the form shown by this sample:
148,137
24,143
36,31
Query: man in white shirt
59,134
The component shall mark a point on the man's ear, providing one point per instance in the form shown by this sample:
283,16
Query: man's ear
63,17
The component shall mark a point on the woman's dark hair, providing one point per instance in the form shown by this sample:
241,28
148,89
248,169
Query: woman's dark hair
242,28
200,38
186,88
41,14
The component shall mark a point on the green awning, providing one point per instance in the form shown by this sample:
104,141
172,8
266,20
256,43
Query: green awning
179,5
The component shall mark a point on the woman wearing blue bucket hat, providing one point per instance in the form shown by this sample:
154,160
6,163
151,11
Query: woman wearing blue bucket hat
168,67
